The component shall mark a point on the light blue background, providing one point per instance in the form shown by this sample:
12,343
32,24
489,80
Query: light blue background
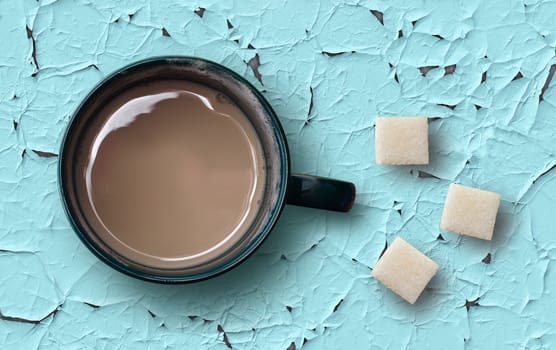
55,295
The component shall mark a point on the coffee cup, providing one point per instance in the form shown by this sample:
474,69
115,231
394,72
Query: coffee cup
175,169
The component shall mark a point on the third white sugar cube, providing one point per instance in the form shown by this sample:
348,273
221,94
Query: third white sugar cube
402,140
470,211
404,270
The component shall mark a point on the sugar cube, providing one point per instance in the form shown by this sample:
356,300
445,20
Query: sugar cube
470,211
404,270
401,140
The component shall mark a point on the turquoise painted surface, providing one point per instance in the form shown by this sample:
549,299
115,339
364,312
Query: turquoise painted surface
493,130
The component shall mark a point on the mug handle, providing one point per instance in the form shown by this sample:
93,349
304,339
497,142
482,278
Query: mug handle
320,193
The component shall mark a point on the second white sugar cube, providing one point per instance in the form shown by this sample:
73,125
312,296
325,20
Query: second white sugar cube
402,140
404,270
470,211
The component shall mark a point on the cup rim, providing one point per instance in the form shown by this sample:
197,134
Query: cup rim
259,237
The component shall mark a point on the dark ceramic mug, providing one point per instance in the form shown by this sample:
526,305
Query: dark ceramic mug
281,188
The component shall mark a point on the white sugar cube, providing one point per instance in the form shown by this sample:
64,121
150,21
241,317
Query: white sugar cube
404,270
401,140
470,211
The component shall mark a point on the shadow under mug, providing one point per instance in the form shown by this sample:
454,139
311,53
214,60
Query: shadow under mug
281,186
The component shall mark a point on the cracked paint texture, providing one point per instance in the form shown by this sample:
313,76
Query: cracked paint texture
482,69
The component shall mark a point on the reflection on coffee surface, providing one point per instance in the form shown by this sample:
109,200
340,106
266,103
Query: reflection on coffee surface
174,174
